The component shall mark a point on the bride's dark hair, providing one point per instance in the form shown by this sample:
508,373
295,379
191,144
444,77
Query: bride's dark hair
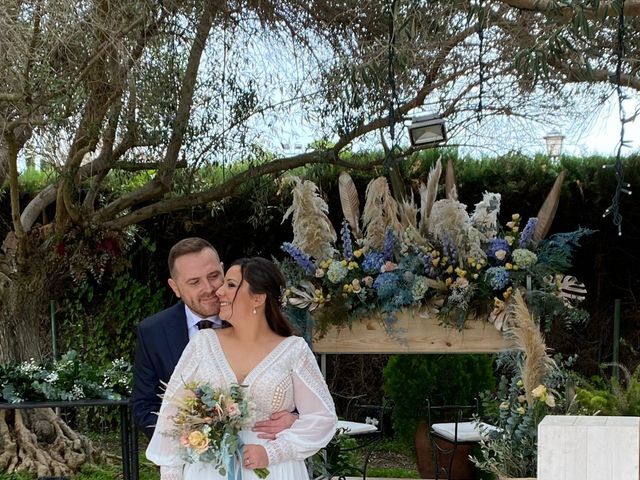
263,276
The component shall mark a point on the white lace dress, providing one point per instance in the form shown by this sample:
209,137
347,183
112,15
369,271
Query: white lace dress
287,378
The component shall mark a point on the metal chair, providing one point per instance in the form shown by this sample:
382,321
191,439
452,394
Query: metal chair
335,461
455,426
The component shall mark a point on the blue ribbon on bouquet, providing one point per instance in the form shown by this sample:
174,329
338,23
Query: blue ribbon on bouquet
234,463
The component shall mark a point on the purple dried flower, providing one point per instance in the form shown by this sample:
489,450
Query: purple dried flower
450,250
427,261
347,246
302,259
527,233
389,243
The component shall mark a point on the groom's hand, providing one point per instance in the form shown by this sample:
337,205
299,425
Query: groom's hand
278,422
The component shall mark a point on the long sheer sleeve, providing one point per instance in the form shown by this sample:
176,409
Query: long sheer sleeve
162,449
316,425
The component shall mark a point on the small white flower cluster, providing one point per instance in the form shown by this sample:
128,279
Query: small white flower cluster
77,392
30,367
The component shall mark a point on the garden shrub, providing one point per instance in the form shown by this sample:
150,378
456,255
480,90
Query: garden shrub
109,330
447,379
611,397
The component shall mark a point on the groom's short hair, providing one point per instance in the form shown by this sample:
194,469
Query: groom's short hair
187,246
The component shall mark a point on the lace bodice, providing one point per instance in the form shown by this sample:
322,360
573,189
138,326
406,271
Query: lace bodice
287,378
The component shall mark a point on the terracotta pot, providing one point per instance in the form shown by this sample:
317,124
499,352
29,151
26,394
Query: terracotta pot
462,467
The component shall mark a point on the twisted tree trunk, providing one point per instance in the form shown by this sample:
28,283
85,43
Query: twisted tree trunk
35,441
40,443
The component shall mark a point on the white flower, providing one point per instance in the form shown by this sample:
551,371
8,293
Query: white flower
77,391
371,421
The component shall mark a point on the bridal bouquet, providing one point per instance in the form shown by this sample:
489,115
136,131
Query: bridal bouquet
207,425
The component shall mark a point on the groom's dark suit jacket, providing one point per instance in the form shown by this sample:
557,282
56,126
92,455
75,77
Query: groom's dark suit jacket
161,340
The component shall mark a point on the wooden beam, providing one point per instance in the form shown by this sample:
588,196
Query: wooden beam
414,332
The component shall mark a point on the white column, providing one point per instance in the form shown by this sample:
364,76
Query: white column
589,448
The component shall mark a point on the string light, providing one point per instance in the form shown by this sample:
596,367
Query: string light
621,185
390,162
480,59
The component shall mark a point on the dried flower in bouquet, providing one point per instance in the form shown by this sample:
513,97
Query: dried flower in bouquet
207,426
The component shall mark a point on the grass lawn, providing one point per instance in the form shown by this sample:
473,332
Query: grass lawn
389,460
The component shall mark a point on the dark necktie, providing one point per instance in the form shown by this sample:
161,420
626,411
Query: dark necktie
204,324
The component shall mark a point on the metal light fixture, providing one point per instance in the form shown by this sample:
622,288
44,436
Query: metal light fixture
427,131
554,144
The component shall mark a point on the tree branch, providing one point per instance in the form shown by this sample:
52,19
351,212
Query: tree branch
605,8
230,186
12,149
164,178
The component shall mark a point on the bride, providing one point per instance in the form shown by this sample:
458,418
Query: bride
260,351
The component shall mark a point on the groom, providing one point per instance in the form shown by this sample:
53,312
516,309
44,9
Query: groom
195,274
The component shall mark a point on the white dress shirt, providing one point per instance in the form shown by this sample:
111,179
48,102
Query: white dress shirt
193,319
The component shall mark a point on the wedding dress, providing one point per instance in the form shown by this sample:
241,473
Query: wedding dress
287,378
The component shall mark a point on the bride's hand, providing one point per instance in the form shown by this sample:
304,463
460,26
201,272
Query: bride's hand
255,456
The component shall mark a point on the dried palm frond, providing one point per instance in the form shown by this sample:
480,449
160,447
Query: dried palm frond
529,340
428,196
548,210
312,230
380,213
450,189
350,203
304,296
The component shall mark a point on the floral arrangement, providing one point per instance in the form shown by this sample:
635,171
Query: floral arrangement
537,385
434,255
208,423
66,379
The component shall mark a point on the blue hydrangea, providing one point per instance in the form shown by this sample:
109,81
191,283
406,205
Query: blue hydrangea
347,246
386,285
402,297
372,262
526,237
497,277
302,259
496,245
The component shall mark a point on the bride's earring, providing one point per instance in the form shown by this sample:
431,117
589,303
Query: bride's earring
254,310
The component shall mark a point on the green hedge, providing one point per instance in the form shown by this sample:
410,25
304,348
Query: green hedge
446,379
